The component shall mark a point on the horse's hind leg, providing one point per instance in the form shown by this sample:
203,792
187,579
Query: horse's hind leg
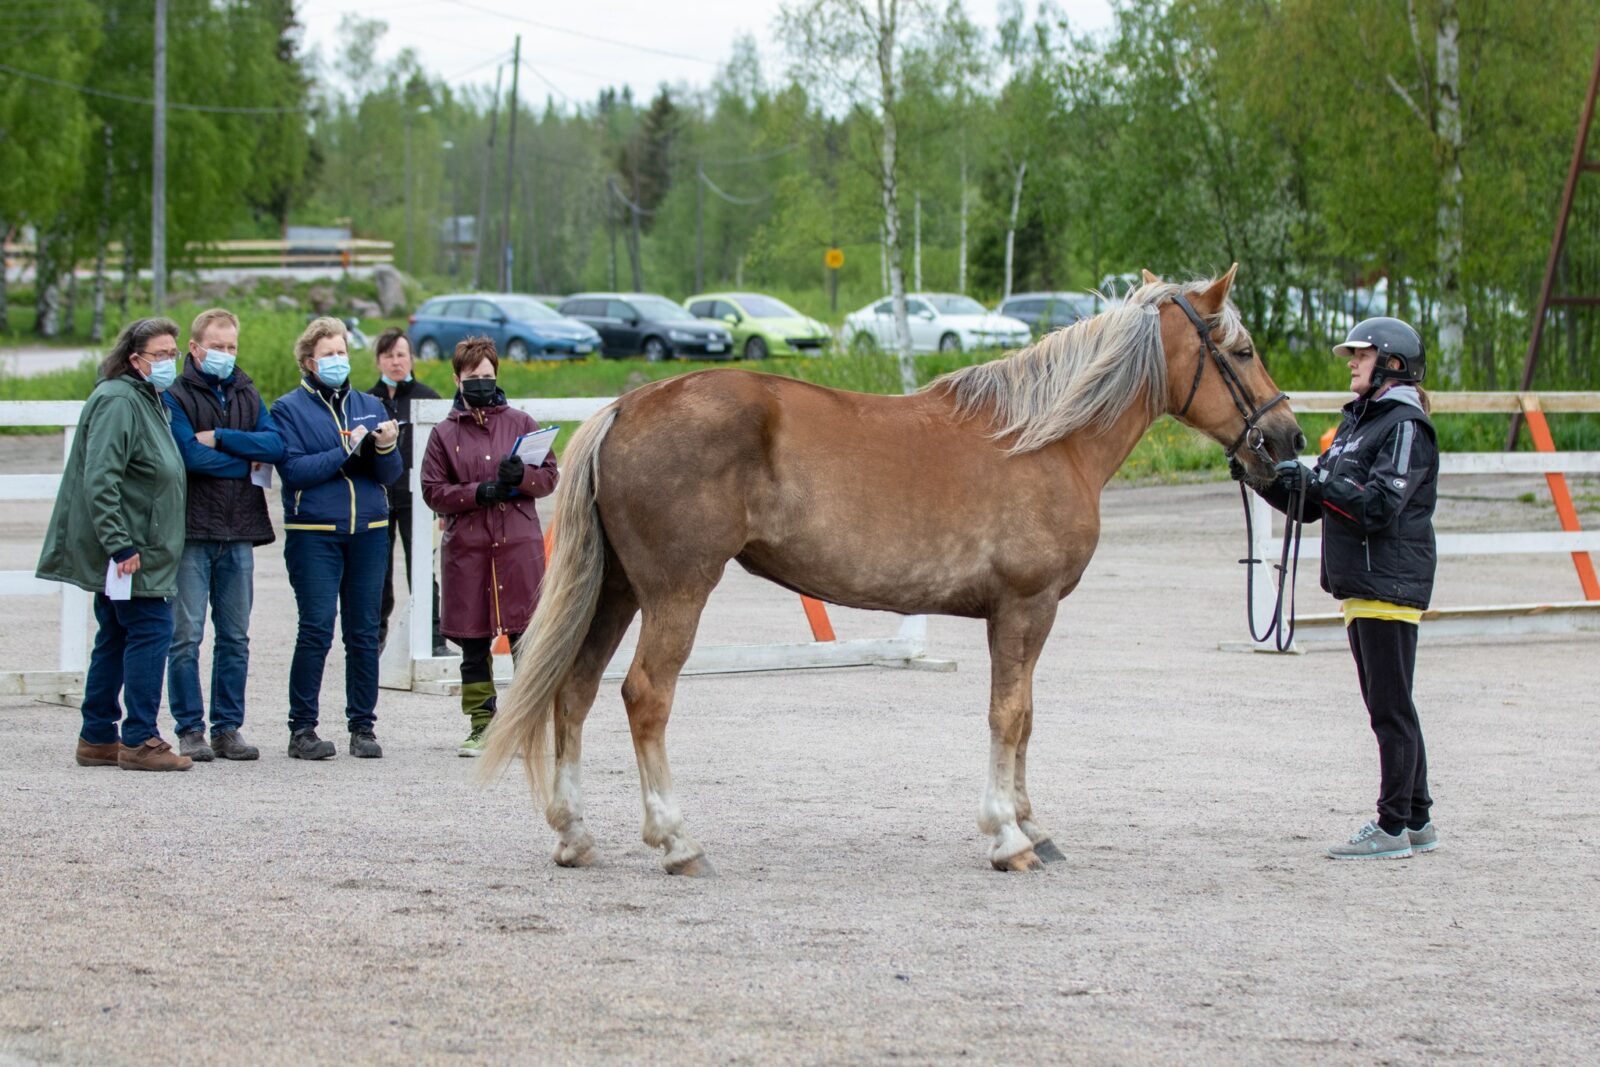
665,638
1016,637
564,812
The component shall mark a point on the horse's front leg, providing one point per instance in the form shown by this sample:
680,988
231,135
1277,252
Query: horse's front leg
1017,633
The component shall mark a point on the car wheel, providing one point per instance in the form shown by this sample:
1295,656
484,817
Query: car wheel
428,348
655,350
755,348
517,351
949,343
863,343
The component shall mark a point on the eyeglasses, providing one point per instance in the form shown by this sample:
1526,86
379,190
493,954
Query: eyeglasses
157,357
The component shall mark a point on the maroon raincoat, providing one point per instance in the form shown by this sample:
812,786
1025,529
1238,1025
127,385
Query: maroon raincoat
493,558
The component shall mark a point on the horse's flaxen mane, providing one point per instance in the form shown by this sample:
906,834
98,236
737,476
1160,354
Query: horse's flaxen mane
1085,375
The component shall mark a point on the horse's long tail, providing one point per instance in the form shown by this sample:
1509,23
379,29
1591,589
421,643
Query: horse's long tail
567,603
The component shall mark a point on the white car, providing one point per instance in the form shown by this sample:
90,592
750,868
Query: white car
940,322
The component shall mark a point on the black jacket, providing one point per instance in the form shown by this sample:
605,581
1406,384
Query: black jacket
399,408
1376,487
224,505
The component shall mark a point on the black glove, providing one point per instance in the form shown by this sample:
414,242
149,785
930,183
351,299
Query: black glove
1290,476
511,469
490,494
1236,469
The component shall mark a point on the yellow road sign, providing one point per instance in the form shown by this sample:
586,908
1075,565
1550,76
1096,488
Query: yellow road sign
834,259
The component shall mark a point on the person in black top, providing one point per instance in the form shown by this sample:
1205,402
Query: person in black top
396,387
1375,489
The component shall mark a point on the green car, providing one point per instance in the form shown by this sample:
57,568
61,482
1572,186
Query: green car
762,326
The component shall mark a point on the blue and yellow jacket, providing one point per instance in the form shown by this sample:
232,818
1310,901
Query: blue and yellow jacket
328,486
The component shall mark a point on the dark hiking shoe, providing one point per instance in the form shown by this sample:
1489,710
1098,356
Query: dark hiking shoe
363,745
154,755
305,744
194,746
96,755
229,745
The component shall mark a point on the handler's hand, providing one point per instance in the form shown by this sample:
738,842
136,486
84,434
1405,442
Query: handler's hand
128,566
1290,476
386,433
1236,469
207,438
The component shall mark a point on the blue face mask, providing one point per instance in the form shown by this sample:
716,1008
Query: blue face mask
333,370
162,374
218,364
390,382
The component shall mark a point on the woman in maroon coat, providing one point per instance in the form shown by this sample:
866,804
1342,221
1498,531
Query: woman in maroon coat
493,551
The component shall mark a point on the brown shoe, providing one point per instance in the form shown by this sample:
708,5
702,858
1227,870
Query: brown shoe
154,755
96,755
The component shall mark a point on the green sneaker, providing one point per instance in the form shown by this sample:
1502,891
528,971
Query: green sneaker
473,745
1371,843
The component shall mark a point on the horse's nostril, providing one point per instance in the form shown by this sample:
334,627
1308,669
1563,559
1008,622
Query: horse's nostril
1299,443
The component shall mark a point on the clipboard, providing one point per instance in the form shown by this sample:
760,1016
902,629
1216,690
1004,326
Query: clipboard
532,448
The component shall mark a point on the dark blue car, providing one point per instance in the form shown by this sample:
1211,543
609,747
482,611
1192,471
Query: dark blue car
521,327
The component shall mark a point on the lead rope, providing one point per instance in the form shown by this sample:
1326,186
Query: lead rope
1281,628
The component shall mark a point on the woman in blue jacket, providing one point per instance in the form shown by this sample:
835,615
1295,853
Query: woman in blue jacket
338,455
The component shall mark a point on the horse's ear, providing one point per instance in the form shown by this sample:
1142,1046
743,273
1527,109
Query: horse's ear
1210,302
1149,279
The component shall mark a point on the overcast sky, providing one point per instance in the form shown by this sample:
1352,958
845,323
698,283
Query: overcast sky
581,46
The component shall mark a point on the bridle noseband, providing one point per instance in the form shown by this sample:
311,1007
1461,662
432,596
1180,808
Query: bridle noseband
1251,436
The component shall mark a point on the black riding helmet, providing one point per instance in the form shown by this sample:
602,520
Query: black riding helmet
1391,337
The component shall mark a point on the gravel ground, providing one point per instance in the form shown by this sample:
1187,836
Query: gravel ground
369,911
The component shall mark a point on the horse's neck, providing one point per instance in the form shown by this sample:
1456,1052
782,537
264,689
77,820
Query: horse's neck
1101,455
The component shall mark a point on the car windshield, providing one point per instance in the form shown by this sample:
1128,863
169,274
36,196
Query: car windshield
657,309
765,307
526,309
956,305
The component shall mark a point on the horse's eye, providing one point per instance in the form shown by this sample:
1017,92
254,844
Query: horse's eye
1244,353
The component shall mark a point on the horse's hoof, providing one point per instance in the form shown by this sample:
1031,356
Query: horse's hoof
1026,860
693,867
580,855
1047,851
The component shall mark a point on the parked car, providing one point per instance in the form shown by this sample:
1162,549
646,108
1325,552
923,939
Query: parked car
762,326
631,323
521,327
940,322
1044,312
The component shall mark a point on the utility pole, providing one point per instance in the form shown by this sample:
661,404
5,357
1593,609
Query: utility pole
511,154
611,230
699,227
158,170
480,225
408,188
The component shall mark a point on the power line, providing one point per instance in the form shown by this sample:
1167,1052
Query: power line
729,197
146,101
759,157
531,69
586,36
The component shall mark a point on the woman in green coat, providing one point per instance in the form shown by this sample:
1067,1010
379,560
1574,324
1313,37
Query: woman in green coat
121,512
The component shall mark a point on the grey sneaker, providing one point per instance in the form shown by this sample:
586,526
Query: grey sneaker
194,746
1371,843
229,745
1425,839
364,745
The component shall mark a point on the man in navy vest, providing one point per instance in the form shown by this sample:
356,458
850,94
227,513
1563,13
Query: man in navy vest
229,444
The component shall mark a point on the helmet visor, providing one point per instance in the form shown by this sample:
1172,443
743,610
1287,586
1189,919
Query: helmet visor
1346,350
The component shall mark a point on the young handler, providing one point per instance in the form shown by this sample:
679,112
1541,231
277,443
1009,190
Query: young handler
1375,487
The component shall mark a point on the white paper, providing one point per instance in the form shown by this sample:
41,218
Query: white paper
355,437
531,448
261,474
118,586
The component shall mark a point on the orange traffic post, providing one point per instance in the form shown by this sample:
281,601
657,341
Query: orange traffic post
817,616
1539,430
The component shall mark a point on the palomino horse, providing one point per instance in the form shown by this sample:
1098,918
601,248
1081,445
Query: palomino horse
977,496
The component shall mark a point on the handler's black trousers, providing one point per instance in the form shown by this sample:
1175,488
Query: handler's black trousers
1386,657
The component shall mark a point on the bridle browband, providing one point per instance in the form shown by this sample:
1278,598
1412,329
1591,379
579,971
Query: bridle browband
1251,436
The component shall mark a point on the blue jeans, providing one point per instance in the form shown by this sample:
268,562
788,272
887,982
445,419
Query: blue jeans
129,657
344,573
221,574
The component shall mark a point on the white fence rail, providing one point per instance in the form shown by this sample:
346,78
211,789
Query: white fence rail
72,659
1481,620
412,665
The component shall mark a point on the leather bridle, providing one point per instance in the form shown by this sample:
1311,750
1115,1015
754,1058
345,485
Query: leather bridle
1280,629
1251,436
